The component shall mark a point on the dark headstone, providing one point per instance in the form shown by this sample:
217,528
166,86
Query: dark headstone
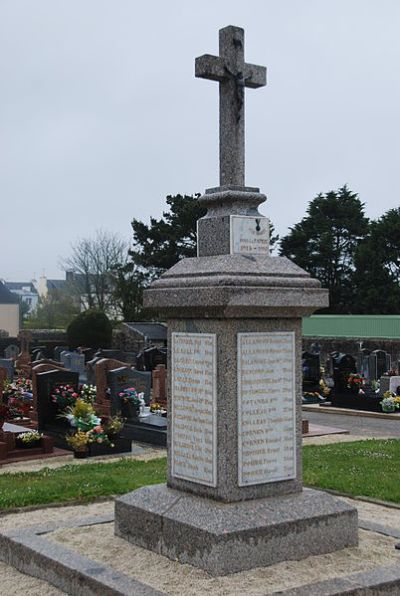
150,358
47,410
311,369
123,378
342,365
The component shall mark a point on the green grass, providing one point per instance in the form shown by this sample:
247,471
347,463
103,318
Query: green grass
83,483
364,468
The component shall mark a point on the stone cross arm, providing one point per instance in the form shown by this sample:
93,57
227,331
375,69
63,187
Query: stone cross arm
213,67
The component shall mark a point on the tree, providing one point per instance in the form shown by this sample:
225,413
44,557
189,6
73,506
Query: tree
377,259
90,268
55,311
128,284
324,243
164,242
91,329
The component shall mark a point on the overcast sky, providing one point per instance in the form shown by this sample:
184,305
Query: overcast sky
101,116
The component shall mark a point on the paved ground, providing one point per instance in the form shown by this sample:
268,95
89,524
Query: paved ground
357,425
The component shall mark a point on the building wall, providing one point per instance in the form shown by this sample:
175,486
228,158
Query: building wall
9,318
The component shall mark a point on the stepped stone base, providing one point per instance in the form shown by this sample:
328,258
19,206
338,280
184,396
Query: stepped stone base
225,538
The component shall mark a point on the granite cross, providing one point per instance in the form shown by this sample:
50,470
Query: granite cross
233,75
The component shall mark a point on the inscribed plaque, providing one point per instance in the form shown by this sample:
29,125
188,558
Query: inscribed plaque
249,235
194,415
266,407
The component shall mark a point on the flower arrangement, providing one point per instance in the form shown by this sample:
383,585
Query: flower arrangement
389,402
156,408
88,393
30,437
391,373
64,396
81,415
114,425
355,381
324,388
78,441
19,388
98,435
130,395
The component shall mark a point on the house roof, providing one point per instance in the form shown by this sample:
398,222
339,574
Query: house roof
56,284
21,285
152,331
356,326
7,297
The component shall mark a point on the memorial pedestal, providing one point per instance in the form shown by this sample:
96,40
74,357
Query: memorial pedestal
225,538
234,497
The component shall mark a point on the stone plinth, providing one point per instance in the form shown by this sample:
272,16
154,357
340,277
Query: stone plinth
226,538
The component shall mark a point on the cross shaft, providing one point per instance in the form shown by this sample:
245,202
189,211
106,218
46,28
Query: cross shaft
233,75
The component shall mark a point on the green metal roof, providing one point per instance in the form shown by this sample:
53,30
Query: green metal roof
358,326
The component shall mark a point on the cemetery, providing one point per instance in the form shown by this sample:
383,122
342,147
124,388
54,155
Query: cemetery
237,502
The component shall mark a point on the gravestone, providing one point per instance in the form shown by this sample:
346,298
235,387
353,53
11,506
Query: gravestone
233,498
102,367
364,362
58,350
90,370
311,370
387,383
36,369
342,365
11,351
123,378
159,395
48,411
8,364
65,359
77,362
380,363
25,338
129,357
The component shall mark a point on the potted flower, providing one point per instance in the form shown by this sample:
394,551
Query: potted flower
113,426
99,436
130,402
29,439
389,402
79,442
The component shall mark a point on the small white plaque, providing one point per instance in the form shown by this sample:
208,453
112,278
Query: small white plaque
194,407
266,407
249,235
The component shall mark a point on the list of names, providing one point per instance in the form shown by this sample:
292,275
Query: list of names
194,417
266,407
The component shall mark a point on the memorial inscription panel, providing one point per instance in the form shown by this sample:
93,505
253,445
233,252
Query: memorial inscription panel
249,235
194,407
266,407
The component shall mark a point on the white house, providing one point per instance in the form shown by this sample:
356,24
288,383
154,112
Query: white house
9,311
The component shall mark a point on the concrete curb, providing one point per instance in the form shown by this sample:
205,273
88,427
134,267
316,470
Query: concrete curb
28,551
348,412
